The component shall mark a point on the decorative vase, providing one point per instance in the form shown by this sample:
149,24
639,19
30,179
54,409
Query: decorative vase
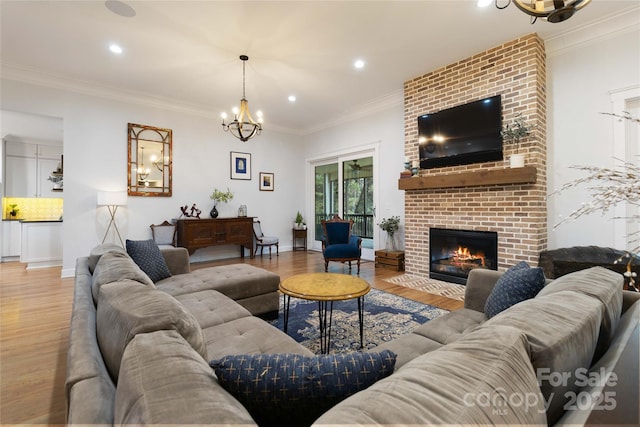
391,243
516,161
214,212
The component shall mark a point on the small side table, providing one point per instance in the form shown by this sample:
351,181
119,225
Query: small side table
299,234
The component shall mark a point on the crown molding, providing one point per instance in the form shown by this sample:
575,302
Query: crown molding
608,27
383,103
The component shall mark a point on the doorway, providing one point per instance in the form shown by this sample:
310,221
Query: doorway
345,185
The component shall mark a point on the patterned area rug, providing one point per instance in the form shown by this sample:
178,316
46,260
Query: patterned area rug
386,316
431,286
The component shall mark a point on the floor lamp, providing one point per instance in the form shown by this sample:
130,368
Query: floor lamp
112,199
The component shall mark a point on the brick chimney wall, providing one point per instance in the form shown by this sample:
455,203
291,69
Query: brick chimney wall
517,212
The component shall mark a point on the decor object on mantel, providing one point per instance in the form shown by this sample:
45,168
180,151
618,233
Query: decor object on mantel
243,126
511,134
194,212
219,196
390,225
551,11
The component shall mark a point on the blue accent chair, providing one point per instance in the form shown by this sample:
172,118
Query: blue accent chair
338,244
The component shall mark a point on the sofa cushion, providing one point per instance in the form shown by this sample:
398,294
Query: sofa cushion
98,251
562,330
113,267
407,347
237,281
518,283
249,335
147,255
454,385
164,381
451,326
600,283
294,390
211,308
128,308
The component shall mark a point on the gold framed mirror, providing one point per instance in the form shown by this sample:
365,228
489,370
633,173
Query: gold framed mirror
149,161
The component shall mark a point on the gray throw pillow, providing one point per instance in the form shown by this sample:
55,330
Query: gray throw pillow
519,283
147,255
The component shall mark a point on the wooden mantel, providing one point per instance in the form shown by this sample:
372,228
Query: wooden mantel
524,175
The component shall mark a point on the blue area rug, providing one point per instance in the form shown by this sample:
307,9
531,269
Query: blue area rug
386,316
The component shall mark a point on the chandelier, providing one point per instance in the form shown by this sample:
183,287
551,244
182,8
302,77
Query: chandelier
551,10
243,126
143,172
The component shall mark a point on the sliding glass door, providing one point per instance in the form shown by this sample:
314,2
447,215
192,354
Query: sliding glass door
344,186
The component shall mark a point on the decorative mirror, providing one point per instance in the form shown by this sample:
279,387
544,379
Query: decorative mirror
149,167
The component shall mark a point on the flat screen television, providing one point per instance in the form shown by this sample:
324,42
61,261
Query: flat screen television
461,135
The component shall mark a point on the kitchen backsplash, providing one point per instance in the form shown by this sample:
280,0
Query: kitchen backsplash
32,208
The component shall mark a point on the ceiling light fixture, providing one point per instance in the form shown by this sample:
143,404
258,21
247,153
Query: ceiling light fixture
359,64
115,48
550,10
292,98
243,126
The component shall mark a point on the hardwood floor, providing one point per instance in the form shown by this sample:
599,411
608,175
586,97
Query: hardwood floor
34,332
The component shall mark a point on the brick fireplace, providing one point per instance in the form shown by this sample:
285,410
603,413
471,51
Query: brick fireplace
484,196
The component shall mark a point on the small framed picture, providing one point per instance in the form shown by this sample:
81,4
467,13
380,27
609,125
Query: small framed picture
266,181
240,165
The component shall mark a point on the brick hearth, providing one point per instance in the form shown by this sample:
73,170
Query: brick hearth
517,212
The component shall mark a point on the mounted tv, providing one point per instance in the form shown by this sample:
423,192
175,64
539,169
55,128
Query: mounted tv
461,135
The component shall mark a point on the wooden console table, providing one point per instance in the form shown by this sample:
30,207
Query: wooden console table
201,233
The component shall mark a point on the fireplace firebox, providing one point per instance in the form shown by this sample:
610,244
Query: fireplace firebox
453,253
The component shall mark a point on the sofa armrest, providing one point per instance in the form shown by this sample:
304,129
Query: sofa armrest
177,260
628,299
480,283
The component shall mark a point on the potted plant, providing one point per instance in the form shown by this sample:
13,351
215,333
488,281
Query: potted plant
13,210
299,221
390,225
512,134
219,196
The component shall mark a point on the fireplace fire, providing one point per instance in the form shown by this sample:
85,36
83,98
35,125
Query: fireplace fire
454,253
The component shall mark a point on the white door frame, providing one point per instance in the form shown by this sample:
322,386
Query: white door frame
339,157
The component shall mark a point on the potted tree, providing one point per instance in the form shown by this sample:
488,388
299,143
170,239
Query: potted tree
512,134
299,221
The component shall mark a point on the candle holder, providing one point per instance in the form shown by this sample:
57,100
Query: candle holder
407,166
415,170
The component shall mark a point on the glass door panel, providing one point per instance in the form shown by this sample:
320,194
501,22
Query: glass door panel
358,202
327,197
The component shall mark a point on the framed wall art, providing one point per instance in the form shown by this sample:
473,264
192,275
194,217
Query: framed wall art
266,181
240,165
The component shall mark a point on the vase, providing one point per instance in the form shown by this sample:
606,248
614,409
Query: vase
214,212
391,243
516,161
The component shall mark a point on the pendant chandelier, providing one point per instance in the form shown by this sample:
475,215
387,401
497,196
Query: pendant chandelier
550,10
243,126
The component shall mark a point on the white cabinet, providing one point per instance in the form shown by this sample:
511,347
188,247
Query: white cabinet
11,239
41,244
28,167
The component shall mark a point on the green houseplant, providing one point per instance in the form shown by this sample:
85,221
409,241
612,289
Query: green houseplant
13,209
219,196
299,220
512,134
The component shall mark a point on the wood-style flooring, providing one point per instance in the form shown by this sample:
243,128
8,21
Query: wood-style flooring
35,308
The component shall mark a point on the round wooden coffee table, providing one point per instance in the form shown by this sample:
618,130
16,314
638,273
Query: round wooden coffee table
325,288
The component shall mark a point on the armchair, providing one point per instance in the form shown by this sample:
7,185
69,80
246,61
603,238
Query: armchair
338,244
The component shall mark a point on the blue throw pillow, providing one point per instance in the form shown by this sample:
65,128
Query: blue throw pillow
517,284
294,390
147,255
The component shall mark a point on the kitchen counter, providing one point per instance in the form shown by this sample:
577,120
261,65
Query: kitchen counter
40,220
41,243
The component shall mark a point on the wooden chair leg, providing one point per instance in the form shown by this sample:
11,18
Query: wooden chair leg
358,266
326,266
349,265
277,250
269,251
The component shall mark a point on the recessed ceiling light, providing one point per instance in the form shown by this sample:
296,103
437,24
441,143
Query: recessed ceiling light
359,64
484,3
292,98
115,48
120,8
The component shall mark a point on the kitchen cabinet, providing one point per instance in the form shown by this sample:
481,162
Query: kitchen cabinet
11,239
28,167
41,244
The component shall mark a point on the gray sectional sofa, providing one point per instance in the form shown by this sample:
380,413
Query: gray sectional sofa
139,351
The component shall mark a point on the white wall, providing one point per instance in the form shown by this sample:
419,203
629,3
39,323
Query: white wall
580,80
385,128
95,150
